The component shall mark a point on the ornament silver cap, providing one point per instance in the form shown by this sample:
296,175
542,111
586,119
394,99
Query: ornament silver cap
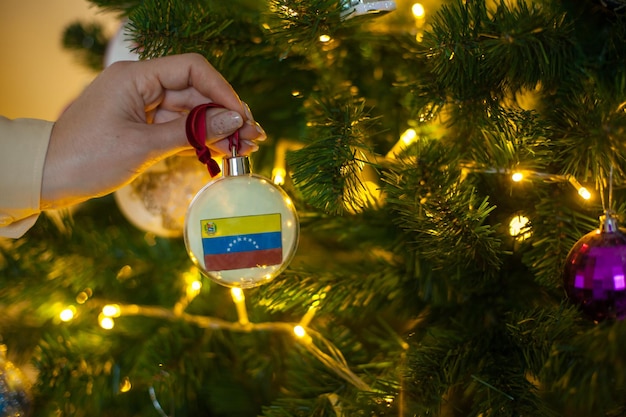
233,166
608,223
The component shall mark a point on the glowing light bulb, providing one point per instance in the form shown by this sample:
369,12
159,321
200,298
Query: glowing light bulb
418,11
111,310
67,314
193,289
518,227
325,38
408,136
237,294
299,331
517,176
279,176
584,193
106,323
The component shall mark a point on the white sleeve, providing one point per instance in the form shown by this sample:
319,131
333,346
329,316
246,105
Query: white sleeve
23,148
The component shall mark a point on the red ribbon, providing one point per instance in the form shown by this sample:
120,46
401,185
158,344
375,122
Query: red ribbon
196,135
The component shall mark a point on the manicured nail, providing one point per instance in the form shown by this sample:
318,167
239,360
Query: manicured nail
226,122
248,113
262,134
253,146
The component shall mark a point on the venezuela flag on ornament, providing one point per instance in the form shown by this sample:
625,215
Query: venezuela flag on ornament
242,242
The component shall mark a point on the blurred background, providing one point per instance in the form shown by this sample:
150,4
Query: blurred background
38,78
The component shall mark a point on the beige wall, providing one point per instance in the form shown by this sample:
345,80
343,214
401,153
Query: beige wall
38,78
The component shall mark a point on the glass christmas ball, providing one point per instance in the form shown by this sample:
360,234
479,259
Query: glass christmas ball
241,229
594,274
120,47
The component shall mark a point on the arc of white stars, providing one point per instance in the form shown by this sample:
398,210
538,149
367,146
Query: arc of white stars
240,239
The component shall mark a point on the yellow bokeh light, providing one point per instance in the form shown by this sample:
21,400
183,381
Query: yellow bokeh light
82,297
111,310
106,323
325,38
518,227
299,331
237,294
418,10
125,385
279,176
517,176
67,314
193,289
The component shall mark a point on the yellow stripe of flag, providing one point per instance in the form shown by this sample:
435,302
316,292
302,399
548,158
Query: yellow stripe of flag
243,225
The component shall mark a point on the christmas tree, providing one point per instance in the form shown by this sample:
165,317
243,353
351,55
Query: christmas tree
444,159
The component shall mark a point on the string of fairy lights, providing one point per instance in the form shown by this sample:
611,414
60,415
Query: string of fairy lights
302,331
307,337
518,226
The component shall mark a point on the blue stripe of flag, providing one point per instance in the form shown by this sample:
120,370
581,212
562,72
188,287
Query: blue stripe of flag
241,243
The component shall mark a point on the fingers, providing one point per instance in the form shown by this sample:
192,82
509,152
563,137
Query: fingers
179,72
172,85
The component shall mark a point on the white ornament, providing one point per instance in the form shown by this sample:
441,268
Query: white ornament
241,230
157,200
120,47
353,8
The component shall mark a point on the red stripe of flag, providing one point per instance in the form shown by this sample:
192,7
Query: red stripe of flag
240,260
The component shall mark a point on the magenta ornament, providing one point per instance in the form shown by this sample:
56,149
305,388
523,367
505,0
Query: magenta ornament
594,272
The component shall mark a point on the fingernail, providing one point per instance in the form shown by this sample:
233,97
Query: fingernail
253,146
247,112
226,122
262,134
